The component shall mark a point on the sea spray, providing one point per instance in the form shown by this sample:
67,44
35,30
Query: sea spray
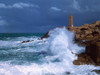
51,56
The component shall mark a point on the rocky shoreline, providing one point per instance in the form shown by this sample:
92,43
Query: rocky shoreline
87,35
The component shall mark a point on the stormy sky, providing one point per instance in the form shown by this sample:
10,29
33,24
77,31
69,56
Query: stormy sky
39,16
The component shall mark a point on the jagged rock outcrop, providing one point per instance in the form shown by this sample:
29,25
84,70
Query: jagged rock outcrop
83,58
87,35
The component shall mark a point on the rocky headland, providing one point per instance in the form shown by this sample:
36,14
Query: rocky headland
87,35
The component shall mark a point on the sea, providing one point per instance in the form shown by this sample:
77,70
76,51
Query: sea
49,56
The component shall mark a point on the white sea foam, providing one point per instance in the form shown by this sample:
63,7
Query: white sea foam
59,46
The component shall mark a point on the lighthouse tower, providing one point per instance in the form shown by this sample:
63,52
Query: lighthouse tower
70,21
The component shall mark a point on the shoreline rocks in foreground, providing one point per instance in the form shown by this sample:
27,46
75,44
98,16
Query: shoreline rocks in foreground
87,35
27,41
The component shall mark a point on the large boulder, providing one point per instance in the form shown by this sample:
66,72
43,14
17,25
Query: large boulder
89,36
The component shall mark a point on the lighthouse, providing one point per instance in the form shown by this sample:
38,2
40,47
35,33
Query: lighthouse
70,21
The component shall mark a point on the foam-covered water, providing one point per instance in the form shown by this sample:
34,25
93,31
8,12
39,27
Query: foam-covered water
51,56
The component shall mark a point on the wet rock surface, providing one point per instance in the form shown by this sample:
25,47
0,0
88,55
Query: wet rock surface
83,59
27,41
96,71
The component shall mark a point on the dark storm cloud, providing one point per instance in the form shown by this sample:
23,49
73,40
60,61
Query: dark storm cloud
90,5
43,15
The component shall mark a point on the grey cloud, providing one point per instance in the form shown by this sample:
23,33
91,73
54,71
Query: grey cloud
76,5
18,5
89,5
2,22
55,9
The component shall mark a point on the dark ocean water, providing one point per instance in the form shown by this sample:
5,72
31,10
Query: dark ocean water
4,36
11,48
51,56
